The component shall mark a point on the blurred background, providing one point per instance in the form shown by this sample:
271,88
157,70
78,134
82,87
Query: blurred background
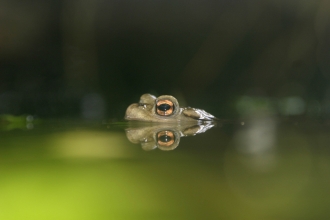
91,59
262,60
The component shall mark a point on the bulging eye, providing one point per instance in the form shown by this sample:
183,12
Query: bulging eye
165,138
164,107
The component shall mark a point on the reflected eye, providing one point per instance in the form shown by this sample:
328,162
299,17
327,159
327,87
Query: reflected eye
165,107
165,138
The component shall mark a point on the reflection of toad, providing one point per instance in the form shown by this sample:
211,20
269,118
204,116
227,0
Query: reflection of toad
163,136
165,108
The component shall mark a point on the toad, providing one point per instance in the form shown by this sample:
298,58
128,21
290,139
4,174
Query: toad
165,108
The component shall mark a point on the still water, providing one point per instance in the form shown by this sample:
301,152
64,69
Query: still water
264,168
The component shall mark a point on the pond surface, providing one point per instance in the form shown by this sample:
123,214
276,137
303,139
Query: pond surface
265,168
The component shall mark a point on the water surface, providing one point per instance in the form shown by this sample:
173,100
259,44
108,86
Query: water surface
265,169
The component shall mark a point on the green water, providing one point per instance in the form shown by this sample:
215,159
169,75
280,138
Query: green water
264,169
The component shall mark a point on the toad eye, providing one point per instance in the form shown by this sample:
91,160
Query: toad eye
165,138
164,107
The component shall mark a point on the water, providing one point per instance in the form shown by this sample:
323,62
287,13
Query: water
265,169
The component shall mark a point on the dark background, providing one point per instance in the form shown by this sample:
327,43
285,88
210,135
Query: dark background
92,59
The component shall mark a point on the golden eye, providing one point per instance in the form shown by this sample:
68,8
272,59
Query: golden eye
164,107
165,138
